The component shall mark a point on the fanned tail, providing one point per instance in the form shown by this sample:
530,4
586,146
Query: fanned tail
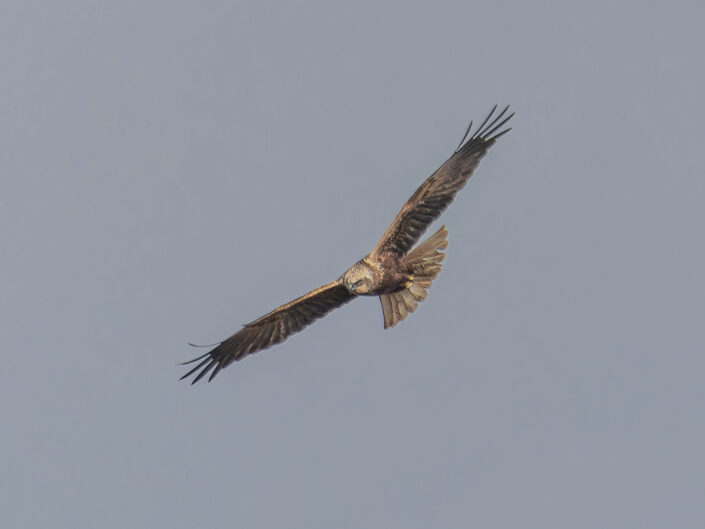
426,262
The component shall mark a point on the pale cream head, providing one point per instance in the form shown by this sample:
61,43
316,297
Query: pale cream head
358,279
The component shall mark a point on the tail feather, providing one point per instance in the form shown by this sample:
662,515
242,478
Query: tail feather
425,261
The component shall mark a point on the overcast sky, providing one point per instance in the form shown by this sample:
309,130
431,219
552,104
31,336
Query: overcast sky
170,170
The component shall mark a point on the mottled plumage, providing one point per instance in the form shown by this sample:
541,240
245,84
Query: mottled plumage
394,271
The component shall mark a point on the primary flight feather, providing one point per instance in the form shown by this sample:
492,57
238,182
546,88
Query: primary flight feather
394,271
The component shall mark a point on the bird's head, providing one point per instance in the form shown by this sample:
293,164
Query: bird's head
358,279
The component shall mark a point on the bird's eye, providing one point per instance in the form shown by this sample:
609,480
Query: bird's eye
358,282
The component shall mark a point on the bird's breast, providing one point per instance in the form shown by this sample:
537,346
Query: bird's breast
390,275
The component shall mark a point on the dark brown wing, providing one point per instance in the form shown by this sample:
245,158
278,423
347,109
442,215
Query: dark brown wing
271,329
439,190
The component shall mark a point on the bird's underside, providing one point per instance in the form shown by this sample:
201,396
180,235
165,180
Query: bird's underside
395,271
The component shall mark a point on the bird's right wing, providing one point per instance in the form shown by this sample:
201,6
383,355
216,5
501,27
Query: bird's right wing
271,329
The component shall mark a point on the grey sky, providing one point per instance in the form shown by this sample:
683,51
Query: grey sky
170,170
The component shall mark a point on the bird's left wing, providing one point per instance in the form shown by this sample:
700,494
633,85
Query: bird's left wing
271,329
439,189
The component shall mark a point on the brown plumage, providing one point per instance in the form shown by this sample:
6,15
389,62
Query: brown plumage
394,271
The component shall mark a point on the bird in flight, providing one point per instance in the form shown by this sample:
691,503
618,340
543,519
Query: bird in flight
394,271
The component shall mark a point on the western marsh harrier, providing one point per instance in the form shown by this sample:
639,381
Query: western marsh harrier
394,271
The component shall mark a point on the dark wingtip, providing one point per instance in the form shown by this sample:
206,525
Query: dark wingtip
500,134
217,370
203,360
487,131
205,370
465,136
195,359
206,360
482,132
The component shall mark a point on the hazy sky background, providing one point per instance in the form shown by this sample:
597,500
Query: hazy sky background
170,170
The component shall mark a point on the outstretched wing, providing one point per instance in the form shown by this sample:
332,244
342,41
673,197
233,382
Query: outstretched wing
271,329
439,190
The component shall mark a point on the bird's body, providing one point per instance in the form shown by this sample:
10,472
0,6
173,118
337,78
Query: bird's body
393,270
379,274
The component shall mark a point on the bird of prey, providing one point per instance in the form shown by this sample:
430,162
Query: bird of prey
394,271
